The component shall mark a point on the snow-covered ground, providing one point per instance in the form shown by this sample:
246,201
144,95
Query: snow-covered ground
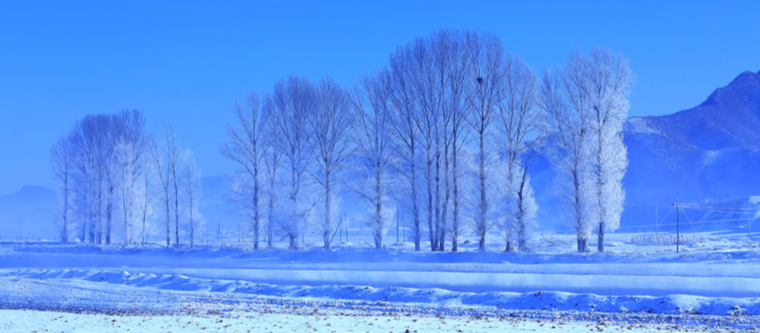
714,280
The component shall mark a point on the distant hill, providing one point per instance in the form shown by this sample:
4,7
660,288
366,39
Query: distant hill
707,153
28,213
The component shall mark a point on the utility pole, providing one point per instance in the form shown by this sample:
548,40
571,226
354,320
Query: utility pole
749,220
397,229
657,215
678,225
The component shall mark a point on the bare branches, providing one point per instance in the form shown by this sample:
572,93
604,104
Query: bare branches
293,99
372,137
247,149
330,122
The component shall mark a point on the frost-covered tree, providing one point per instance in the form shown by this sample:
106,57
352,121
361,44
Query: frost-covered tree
427,87
405,135
525,207
567,126
608,81
63,165
486,72
372,136
146,198
93,141
246,149
131,147
165,159
431,75
126,188
105,155
586,103
272,161
190,180
330,121
293,99
517,119
454,48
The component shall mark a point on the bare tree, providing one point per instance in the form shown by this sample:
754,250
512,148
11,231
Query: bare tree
105,156
427,84
92,142
272,161
372,125
429,77
190,178
126,186
165,159
567,126
246,150
293,100
455,49
486,55
63,165
330,121
84,180
526,207
131,145
145,201
517,119
405,132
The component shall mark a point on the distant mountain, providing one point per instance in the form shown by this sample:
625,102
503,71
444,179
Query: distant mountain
710,151
707,153
28,213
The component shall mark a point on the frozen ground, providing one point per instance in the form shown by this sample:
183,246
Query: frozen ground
83,306
713,281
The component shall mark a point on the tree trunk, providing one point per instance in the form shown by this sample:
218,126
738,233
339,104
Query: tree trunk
192,224
327,228
168,219
378,209
415,206
270,222
510,246
455,180
438,222
522,241
65,231
256,211
483,211
431,229
582,244
109,213
600,245
100,214
446,197
176,213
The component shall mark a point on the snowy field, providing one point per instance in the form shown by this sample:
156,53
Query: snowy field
713,283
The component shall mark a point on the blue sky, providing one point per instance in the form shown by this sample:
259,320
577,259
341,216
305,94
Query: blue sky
189,62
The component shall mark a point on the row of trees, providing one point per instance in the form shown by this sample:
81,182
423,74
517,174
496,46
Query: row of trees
110,168
445,133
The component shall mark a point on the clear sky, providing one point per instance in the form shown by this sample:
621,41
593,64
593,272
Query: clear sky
189,62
